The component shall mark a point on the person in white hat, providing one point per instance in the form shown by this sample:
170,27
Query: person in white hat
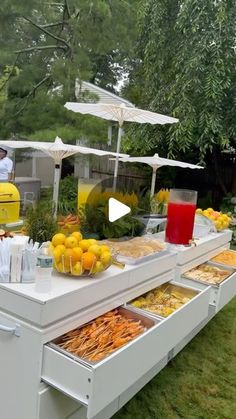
6,166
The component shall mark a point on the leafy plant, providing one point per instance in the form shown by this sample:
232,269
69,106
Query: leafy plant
95,221
68,192
40,223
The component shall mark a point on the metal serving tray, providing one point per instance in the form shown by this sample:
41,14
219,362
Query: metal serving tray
186,291
147,322
129,260
132,261
83,381
225,265
97,385
209,263
220,294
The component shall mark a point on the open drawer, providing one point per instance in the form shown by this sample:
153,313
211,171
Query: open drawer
182,321
220,294
99,384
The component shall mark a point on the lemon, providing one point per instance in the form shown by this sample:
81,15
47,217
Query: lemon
58,238
61,267
95,249
218,225
69,258
61,247
225,224
198,211
77,235
98,267
84,244
71,242
206,213
57,253
105,258
77,269
92,241
104,248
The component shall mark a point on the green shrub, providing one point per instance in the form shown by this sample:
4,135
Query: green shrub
40,223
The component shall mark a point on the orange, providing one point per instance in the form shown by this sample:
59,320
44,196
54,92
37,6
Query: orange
58,238
77,235
71,242
69,257
88,260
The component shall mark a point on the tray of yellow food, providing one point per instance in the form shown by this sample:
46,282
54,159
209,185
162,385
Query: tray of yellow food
102,336
227,257
208,274
137,249
164,300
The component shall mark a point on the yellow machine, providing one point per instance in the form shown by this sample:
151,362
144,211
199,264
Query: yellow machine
9,203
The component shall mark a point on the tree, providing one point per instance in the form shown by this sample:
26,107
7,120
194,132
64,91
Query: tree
187,68
55,43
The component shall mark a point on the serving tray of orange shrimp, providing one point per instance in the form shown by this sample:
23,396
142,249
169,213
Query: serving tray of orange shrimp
99,338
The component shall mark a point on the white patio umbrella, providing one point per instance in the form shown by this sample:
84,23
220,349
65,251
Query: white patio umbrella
120,113
155,162
57,150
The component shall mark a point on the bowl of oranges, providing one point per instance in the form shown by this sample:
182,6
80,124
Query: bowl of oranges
76,256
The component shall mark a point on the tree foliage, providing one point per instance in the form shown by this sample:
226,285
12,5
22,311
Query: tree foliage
187,67
52,44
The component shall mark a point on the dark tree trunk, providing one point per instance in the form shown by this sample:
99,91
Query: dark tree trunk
233,190
219,180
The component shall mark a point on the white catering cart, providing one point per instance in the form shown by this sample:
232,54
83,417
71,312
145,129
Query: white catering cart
39,382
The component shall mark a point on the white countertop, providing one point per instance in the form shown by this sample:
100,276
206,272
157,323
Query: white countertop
63,284
67,295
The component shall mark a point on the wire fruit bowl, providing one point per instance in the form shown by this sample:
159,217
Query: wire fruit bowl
70,267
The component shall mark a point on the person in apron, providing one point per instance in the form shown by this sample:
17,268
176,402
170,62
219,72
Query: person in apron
6,166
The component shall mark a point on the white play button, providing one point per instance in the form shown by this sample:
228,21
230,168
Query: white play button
116,210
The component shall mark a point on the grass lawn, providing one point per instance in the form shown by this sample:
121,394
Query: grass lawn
199,383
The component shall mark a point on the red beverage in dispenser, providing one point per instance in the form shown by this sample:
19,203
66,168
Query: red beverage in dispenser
180,216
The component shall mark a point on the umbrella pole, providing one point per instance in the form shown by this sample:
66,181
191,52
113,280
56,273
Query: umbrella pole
57,175
154,174
117,158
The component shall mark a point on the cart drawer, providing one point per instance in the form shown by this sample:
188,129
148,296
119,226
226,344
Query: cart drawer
220,295
226,291
183,320
98,385
52,404
205,245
